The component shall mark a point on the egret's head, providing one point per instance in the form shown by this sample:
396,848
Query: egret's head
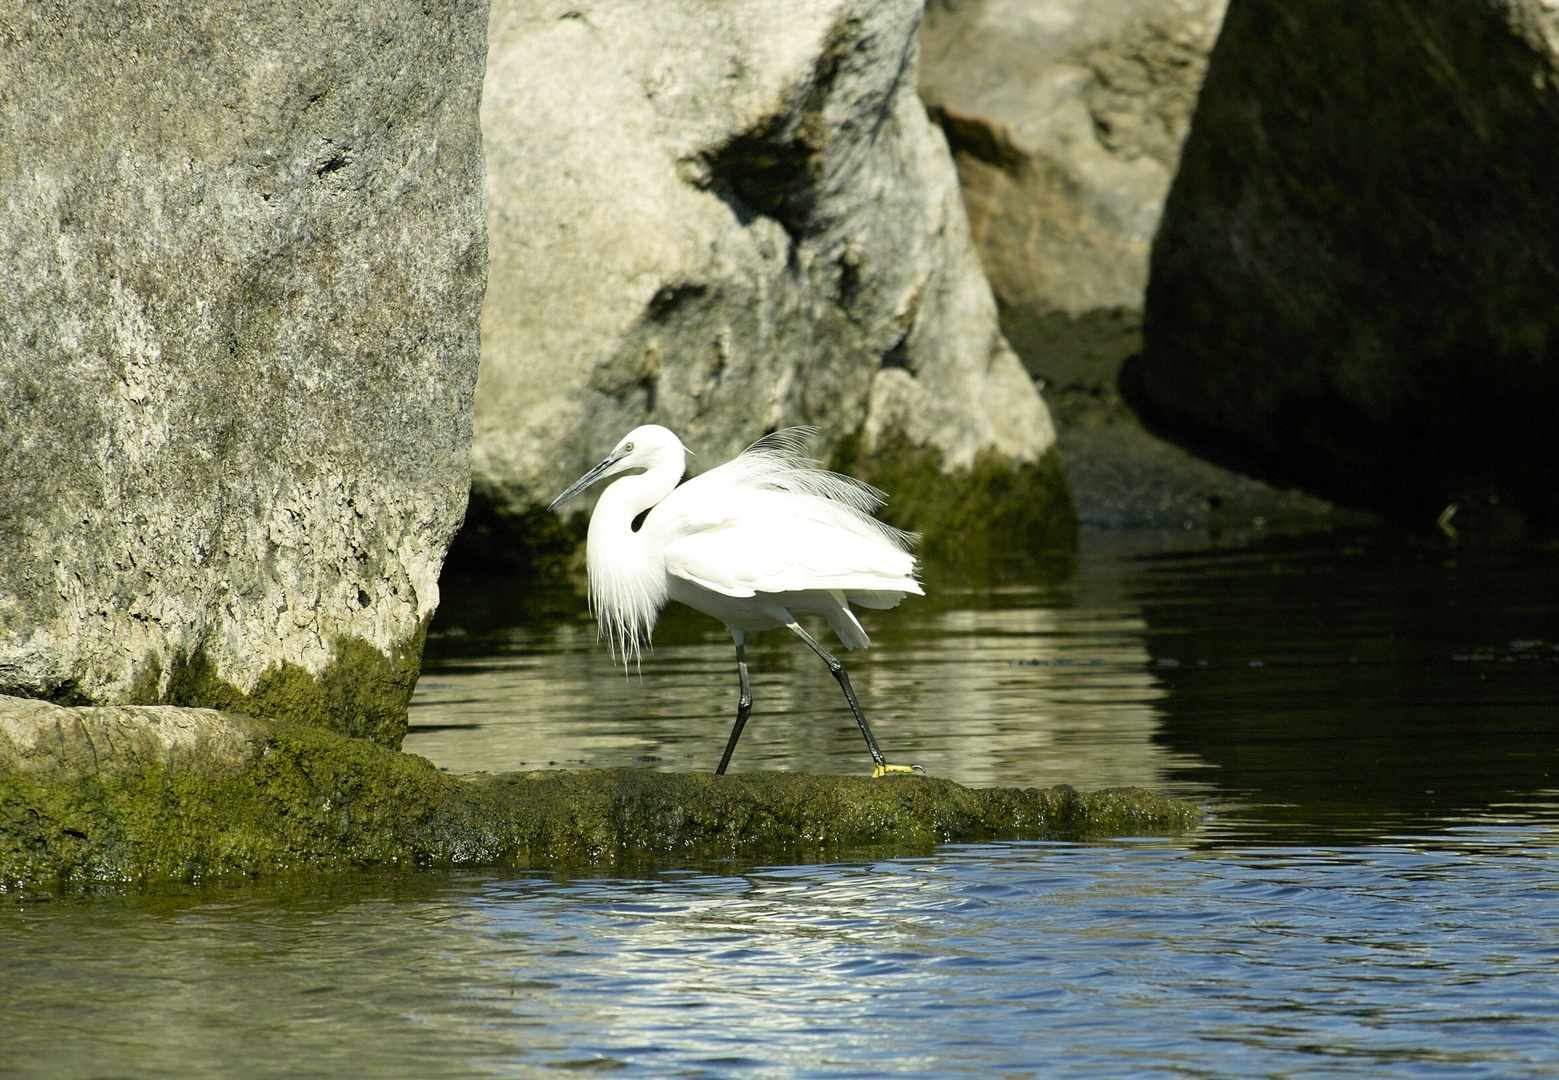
644,449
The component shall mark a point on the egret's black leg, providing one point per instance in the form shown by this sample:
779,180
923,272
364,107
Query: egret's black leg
743,703
849,693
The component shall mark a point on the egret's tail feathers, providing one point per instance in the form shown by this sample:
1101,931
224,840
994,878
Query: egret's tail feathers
882,599
846,627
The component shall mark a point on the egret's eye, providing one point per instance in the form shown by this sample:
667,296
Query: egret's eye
628,448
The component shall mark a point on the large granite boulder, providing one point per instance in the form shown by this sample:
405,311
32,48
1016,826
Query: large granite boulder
242,255
1355,286
727,219
1066,118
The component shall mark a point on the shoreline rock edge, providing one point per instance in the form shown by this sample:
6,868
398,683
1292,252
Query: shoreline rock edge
138,794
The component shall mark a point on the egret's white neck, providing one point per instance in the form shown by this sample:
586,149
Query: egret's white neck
627,578
629,496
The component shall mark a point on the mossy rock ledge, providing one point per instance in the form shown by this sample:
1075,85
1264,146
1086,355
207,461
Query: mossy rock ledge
146,793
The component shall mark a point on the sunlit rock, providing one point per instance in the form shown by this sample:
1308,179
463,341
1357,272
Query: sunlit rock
241,264
726,219
1066,118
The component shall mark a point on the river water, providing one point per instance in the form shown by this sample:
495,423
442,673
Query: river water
1373,720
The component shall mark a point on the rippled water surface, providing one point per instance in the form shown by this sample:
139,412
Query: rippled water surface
1375,723
1138,959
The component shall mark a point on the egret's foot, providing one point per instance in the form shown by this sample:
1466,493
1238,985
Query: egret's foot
884,769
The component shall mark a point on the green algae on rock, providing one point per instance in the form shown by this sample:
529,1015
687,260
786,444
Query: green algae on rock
139,794
994,509
362,692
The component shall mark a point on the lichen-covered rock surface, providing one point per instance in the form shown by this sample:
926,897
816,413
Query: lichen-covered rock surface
726,219
1355,287
136,794
1067,118
242,255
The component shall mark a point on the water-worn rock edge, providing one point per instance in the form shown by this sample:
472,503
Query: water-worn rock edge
136,794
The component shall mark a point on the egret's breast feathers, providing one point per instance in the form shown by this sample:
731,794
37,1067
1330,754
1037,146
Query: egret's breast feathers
627,591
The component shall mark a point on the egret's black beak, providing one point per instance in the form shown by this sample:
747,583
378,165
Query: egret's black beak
589,478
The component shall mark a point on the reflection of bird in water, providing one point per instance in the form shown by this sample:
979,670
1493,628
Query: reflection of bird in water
755,543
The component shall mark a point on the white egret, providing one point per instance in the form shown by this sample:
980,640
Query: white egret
756,542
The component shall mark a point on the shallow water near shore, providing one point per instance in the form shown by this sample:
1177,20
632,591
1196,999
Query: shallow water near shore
1374,721
1307,688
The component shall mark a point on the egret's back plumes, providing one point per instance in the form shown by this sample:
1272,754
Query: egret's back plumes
783,462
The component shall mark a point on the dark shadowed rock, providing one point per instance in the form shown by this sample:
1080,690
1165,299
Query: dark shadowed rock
242,256
1122,476
141,794
1355,287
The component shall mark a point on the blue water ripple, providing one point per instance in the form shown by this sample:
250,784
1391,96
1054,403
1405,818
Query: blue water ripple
1147,960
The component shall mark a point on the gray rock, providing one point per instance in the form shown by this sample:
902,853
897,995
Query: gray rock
242,256
1355,288
1066,118
726,219
1124,477
40,738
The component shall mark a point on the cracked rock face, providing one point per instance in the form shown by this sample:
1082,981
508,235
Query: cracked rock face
241,264
1066,118
726,219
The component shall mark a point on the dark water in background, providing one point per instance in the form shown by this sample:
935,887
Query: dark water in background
1374,720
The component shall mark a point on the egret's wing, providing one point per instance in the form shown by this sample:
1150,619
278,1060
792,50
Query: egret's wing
771,521
699,558
747,556
779,463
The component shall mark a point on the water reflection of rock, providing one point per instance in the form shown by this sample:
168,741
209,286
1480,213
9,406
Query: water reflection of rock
983,686
1360,688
